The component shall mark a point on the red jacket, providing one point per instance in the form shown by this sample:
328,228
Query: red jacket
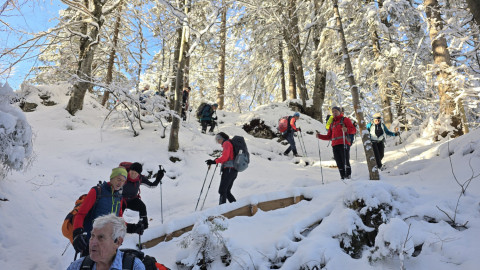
335,133
227,153
292,123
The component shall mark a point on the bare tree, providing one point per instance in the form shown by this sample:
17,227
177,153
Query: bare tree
474,6
111,56
442,61
221,64
320,73
282,71
367,143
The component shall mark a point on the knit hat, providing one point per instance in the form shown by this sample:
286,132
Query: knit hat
296,114
215,105
136,167
377,116
336,108
118,171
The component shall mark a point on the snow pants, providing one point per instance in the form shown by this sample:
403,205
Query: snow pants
228,177
341,154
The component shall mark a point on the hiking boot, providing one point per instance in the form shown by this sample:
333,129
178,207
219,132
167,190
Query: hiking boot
203,131
296,155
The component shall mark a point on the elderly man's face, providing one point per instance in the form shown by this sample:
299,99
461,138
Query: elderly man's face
102,246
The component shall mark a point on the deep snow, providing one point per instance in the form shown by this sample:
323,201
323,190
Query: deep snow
72,153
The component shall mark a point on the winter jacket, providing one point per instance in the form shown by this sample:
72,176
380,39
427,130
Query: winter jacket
227,155
291,126
131,189
116,264
373,135
109,201
207,113
335,133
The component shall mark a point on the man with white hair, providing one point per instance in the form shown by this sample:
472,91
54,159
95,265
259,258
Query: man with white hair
106,237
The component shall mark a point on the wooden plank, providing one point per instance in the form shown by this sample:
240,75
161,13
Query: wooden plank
242,211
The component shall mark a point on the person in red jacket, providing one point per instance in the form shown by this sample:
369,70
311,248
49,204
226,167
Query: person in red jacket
103,199
338,133
229,174
288,134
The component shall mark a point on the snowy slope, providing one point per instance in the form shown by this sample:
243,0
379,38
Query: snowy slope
72,153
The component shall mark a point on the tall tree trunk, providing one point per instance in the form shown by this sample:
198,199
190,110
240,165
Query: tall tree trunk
292,82
293,42
140,54
319,88
111,56
162,68
186,72
282,71
367,143
173,143
474,6
441,58
175,65
88,43
221,64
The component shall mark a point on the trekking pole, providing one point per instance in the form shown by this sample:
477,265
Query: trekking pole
65,250
201,191
344,153
299,142
206,193
320,156
161,193
139,242
303,145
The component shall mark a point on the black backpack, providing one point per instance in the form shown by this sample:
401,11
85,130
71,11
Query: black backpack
129,256
241,157
200,109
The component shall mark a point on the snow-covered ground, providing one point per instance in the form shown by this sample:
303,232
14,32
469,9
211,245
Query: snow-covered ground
72,153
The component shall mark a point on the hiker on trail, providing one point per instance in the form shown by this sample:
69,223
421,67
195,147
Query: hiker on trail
185,94
131,189
377,136
207,118
229,174
338,133
101,200
289,135
108,234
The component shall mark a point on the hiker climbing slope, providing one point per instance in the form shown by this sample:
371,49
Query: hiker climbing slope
101,200
229,173
288,134
378,132
338,133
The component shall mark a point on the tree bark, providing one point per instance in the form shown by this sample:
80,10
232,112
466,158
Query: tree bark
282,71
173,144
320,74
85,59
292,82
111,56
367,143
474,6
221,64
293,42
441,58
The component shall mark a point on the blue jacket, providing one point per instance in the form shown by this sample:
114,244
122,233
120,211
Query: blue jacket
207,113
373,136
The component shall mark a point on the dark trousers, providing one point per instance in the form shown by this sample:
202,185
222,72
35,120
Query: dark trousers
136,204
291,141
341,154
206,123
379,151
228,177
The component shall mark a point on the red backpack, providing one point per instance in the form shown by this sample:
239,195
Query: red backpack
284,123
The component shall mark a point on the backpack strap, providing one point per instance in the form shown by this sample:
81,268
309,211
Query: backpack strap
87,263
128,260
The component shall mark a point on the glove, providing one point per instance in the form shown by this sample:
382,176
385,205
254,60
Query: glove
159,176
344,129
210,162
397,133
299,129
135,228
215,118
318,135
79,240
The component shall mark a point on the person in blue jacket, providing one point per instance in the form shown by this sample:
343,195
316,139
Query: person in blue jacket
207,118
378,132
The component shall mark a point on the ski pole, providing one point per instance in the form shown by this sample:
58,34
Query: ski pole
302,144
161,193
320,156
344,153
201,191
206,193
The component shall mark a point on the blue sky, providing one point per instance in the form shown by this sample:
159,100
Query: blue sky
33,16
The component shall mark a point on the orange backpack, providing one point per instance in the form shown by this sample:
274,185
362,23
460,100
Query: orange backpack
67,226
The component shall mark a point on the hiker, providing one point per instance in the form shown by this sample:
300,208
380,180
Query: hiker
289,135
338,133
329,121
377,132
229,174
207,119
106,237
131,189
185,94
101,200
